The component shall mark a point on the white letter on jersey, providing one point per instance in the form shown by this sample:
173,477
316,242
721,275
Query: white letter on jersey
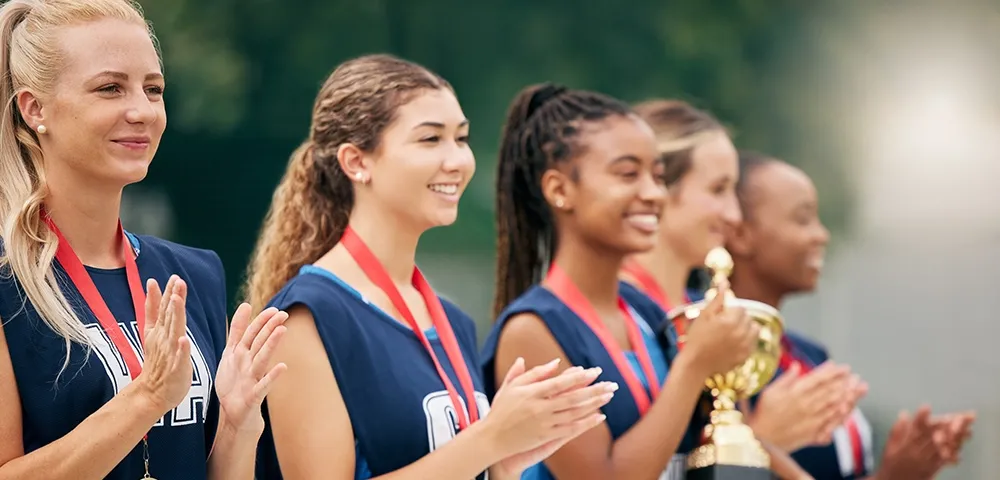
442,422
191,409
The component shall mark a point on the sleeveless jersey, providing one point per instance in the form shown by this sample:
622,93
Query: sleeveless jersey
583,348
180,441
399,408
834,461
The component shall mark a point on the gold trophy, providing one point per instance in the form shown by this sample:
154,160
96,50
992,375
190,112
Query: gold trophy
729,449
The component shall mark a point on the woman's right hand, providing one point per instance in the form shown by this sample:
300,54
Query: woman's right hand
911,452
721,338
166,370
535,412
799,410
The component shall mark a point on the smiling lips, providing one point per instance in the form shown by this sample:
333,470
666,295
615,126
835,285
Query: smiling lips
136,143
645,222
815,261
448,191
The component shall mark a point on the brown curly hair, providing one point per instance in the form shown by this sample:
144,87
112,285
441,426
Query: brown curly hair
312,204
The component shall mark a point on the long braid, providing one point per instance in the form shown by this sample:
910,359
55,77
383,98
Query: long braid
542,124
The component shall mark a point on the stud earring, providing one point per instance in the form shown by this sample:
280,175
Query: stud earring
357,176
42,129
559,203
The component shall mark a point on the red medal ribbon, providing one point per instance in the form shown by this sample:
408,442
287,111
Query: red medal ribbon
375,272
85,285
653,290
563,288
857,447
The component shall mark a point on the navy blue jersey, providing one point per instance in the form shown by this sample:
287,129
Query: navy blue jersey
179,443
583,348
834,461
399,407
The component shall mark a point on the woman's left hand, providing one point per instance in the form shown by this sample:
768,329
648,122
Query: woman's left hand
245,373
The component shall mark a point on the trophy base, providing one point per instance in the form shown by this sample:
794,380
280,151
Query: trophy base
730,451
730,472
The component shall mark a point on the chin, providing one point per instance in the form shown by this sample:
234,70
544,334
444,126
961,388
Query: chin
443,220
130,170
639,244
130,176
808,285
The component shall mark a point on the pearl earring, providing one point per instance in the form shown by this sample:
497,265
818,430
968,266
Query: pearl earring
559,203
42,129
357,176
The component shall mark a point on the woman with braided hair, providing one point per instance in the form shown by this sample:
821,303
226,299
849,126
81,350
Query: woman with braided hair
580,188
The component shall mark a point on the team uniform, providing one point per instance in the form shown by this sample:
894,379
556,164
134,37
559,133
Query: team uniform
399,406
849,456
583,347
179,443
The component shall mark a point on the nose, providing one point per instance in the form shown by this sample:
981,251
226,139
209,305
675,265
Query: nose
458,157
140,110
822,235
650,190
732,215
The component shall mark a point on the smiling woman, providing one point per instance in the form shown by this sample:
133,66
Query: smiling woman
391,370
154,386
580,187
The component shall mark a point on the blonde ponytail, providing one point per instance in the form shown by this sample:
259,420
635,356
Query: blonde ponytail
30,60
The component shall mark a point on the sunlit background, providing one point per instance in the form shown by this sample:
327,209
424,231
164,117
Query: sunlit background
893,107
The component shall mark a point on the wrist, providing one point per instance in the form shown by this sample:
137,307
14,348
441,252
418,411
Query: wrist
230,429
145,403
764,430
688,361
487,441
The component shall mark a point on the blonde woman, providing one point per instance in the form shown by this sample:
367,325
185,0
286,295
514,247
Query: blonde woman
101,376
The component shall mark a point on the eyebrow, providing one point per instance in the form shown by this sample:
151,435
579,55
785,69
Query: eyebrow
124,76
626,158
439,124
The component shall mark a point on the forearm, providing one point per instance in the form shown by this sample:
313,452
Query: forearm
470,453
233,454
646,449
498,474
95,446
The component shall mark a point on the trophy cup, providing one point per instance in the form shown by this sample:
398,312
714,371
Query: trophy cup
728,449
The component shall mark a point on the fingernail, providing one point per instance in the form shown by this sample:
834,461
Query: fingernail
554,362
601,418
607,397
595,371
611,386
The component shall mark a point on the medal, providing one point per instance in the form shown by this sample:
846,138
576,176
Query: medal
145,459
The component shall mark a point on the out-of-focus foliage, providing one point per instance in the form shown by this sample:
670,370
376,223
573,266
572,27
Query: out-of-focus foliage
243,75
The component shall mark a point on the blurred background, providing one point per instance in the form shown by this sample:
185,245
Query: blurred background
891,106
